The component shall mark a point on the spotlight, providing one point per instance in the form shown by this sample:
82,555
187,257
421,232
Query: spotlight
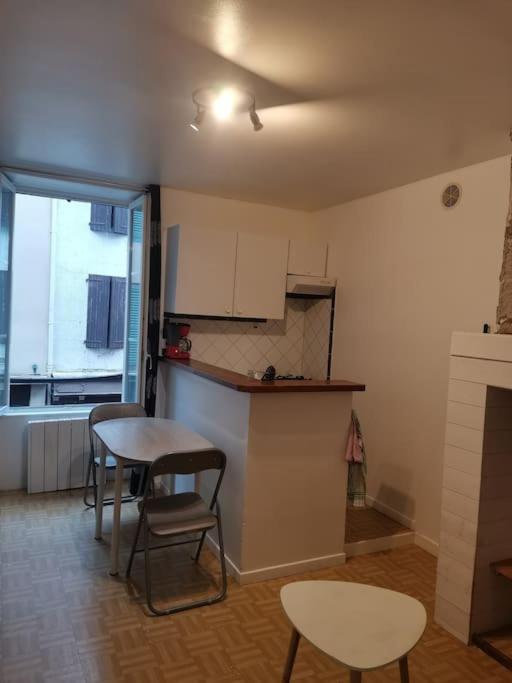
224,104
255,119
198,119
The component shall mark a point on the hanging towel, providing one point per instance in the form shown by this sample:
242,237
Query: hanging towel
356,458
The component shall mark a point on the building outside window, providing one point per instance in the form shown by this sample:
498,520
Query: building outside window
68,301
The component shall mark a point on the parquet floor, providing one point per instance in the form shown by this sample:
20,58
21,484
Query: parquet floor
65,620
363,524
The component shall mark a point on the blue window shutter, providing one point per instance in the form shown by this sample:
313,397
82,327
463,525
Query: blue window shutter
98,304
101,218
117,313
120,220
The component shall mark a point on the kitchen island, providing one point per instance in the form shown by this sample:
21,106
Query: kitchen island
283,497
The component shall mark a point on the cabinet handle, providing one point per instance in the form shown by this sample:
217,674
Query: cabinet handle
228,310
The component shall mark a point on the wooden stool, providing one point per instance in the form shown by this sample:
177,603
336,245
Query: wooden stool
362,627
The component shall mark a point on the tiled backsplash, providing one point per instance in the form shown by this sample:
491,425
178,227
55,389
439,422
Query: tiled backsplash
297,345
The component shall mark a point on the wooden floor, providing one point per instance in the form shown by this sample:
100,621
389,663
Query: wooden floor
65,619
364,524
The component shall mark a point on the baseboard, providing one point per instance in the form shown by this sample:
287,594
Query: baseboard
276,571
427,544
376,545
391,512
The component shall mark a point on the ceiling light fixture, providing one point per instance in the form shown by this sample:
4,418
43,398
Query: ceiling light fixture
198,119
255,119
223,103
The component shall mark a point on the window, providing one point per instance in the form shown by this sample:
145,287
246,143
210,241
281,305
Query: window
106,299
75,279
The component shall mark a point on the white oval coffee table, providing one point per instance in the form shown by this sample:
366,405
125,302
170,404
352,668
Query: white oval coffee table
362,627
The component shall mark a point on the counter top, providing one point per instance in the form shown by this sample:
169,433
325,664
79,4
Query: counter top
238,382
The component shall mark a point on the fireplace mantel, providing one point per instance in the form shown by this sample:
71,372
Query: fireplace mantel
476,508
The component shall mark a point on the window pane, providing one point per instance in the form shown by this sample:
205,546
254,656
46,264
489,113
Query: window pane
6,216
134,306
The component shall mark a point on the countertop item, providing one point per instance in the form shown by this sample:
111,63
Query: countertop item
363,627
239,382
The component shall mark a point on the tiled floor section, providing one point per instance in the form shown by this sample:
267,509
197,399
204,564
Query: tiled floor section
65,619
363,524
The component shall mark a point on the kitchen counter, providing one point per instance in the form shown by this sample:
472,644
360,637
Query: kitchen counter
239,382
284,493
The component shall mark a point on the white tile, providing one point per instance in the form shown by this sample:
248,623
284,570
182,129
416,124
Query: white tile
467,392
462,460
493,373
454,592
461,482
456,526
464,507
479,345
455,570
458,549
452,618
466,415
464,437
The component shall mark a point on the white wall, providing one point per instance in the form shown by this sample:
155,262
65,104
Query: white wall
204,211
30,284
410,272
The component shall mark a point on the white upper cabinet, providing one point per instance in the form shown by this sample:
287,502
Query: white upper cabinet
260,280
200,271
307,257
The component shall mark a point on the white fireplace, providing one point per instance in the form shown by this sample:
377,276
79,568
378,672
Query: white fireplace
476,510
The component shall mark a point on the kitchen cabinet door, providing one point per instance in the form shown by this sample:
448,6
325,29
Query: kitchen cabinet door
200,271
307,257
260,280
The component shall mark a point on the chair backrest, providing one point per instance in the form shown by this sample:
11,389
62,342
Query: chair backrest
112,411
189,462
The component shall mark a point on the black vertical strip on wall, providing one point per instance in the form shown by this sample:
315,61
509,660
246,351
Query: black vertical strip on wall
331,334
153,303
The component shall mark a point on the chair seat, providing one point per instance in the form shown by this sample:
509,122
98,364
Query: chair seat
180,513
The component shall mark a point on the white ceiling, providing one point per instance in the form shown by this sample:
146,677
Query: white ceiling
356,95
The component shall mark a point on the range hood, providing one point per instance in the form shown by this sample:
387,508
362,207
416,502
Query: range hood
310,285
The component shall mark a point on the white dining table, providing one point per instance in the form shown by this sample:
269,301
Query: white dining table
141,440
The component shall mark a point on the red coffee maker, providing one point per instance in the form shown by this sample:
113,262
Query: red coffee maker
178,343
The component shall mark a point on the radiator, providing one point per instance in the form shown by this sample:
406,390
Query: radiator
58,453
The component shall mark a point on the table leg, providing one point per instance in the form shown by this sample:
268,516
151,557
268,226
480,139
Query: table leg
116,518
100,492
292,651
356,676
404,670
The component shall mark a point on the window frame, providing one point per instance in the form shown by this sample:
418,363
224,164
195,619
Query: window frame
5,399
141,199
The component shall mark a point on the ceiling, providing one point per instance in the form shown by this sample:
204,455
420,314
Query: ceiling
356,96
